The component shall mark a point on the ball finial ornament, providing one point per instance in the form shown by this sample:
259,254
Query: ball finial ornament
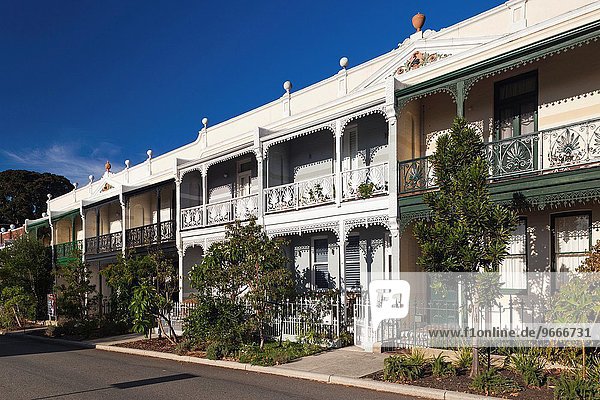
127,163
107,166
287,85
344,62
418,21
91,178
205,121
149,153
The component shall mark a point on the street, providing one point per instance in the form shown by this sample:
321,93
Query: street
31,369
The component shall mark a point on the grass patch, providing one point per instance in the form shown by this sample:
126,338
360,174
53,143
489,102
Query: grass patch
275,354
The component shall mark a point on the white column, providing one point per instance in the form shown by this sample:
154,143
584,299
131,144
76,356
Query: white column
392,119
338,163
204,194
123,223
82,213
178,212
342,278
180,253
261,186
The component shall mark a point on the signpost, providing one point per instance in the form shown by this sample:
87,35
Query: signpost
51,306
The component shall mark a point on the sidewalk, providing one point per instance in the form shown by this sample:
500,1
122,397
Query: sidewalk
345,366
351,362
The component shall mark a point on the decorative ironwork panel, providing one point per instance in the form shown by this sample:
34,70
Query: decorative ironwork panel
245,207
300,194
281,198
91,245
219,213
192,217
514,155
415,175
571,145
142,235
375,175
167,231
68,249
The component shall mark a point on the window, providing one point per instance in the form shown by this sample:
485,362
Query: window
352,263
572,236
513,271
515,105
320,264
351,148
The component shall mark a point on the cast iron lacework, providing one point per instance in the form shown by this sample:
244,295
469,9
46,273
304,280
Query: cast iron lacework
553,149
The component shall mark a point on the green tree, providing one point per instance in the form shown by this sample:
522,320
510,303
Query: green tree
126,274
27,264
76,294
249,265
147,285
467,231
16,305
23,194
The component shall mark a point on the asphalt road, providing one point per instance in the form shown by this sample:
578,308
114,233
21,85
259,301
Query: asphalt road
31,369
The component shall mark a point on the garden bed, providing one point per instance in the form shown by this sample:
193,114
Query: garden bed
462,382
272,354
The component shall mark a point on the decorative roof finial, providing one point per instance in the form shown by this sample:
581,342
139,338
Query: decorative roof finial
107,166
418,21
344,62
287,86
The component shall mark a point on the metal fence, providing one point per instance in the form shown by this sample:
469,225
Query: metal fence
303,317
414,330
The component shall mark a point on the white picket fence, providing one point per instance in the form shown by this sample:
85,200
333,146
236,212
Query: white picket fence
294,319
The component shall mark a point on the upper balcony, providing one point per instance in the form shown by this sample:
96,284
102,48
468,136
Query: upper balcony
150,218
68,235
542,152
321,168
231,193
534,118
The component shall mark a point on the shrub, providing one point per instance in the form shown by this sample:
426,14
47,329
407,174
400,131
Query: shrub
441,368
276,354
365,190
404,367
490,382
216,320
575,387
219,350
530,365
464,358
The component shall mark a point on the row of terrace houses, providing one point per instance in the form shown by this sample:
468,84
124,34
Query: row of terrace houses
339,168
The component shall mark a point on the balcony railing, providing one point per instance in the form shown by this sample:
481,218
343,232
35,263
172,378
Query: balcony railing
241,208
150,234
374,176
221,212
192,217
544,151
104,243
293,196
68,249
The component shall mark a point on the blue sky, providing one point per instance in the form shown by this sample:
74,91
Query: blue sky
86,81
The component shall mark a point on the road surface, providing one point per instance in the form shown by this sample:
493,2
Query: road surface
31,369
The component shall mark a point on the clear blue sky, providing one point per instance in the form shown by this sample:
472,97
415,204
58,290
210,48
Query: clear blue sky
86,81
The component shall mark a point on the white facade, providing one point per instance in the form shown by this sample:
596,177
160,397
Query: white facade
297,162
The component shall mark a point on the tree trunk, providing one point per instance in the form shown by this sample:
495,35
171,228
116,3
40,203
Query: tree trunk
475,319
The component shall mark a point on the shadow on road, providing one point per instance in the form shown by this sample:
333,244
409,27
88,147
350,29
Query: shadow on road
18,344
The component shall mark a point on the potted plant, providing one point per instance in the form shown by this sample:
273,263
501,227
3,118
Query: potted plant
365,190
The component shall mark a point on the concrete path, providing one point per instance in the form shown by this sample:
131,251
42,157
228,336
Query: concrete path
351,362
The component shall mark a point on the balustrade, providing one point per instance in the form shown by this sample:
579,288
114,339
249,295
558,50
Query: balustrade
300,194
68,249
365,182
549,150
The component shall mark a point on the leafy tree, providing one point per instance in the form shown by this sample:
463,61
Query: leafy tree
123,276
249,265
16,305
27,264
23,194
149,283
467,231
76,297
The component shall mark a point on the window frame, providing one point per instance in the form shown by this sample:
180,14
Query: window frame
314,263
509,291
515,101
